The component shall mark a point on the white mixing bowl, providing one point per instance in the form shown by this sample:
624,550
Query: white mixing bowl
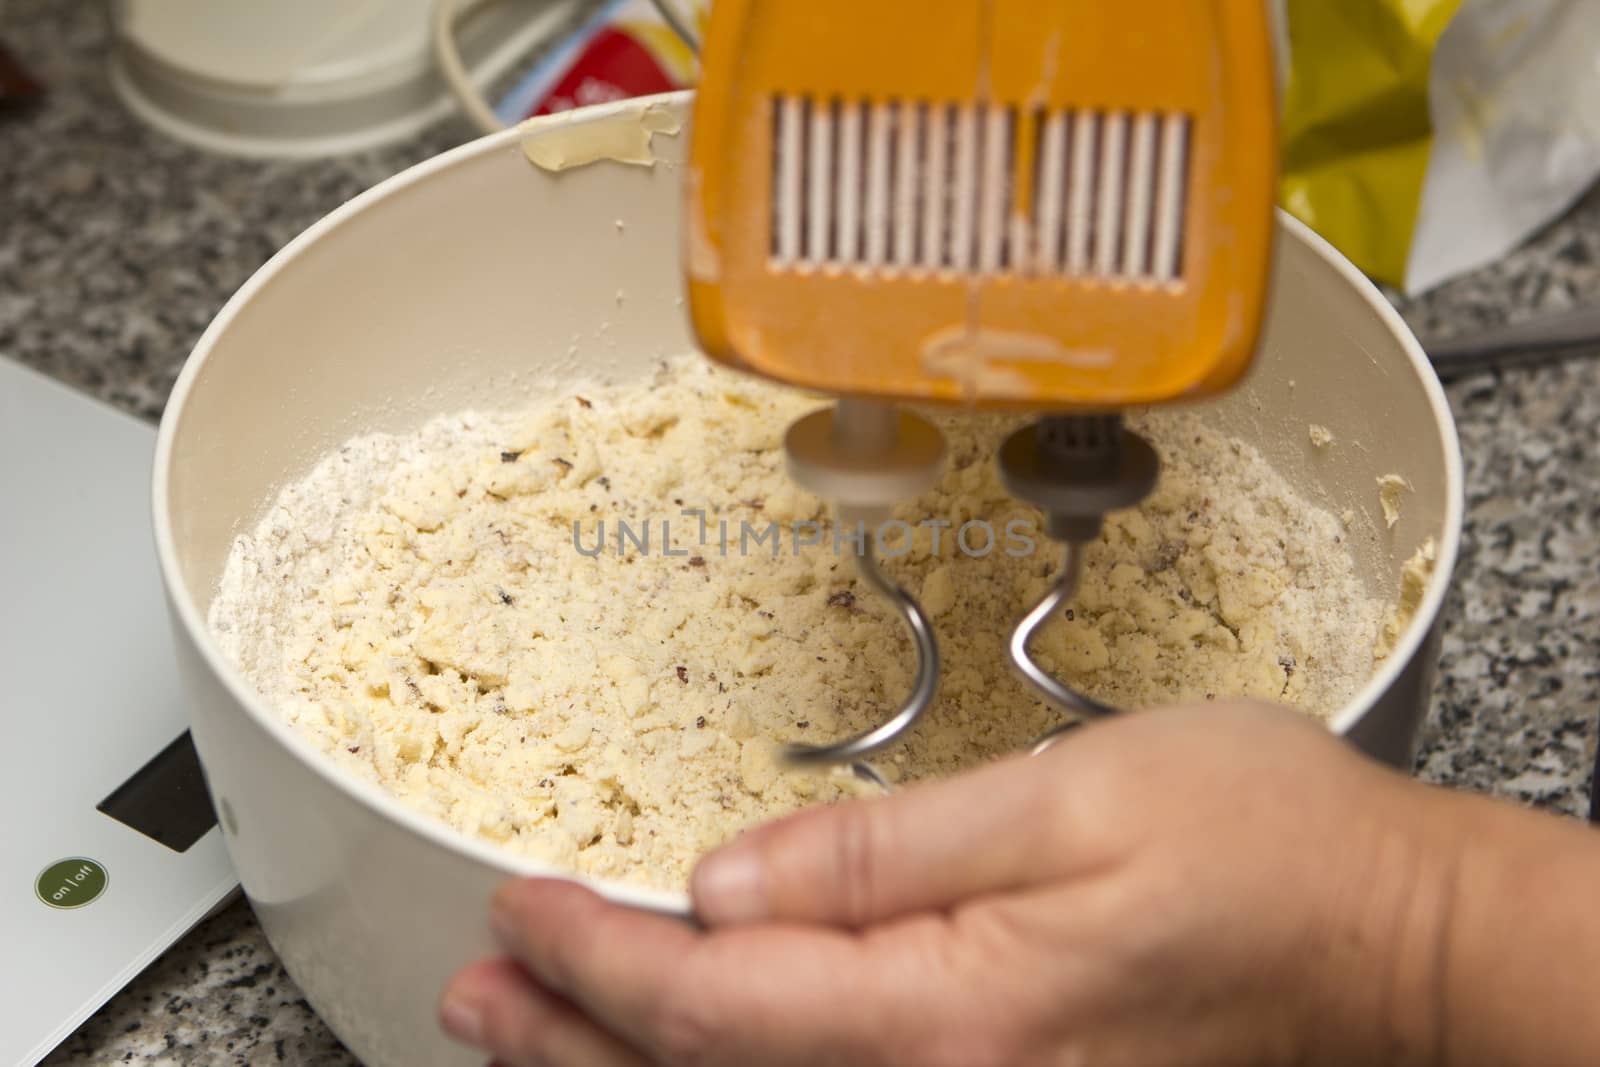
467,281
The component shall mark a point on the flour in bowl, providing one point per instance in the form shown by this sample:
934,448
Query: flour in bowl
580,630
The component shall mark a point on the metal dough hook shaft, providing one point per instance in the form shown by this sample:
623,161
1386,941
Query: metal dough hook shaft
1054,690
922,690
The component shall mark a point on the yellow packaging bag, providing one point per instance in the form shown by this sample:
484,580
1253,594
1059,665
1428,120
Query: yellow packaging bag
1356,130
1428,137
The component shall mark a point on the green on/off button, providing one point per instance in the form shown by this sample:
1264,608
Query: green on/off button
71,883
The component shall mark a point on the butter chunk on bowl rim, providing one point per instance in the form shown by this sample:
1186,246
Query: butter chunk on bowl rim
477,276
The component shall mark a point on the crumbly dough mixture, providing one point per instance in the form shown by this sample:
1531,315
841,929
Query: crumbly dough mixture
1391,489
1414,577
419,606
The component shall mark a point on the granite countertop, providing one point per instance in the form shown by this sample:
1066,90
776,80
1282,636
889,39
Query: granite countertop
118,245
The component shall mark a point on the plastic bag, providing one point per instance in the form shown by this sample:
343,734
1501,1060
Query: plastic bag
1515,101
1427,137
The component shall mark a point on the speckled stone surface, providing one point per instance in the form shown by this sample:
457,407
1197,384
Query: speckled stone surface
117,246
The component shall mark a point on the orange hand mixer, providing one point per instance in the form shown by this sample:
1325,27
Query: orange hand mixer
1051,206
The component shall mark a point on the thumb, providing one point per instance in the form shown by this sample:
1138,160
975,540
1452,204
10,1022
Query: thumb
989,830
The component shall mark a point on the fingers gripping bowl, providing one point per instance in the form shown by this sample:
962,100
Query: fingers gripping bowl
476,281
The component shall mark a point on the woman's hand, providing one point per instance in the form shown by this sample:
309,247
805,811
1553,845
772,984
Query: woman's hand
1215,885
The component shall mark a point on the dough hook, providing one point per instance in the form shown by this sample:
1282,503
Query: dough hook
1053,689
855,750
918,701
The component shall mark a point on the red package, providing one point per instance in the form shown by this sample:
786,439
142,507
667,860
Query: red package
625,51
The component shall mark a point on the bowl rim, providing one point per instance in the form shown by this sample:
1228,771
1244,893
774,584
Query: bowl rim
381,802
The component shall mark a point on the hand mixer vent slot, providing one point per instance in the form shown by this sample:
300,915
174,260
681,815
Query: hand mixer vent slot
900,188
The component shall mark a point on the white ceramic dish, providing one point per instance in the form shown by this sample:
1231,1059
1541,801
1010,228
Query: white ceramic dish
466,281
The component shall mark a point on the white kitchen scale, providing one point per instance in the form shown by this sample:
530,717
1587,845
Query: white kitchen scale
111,850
